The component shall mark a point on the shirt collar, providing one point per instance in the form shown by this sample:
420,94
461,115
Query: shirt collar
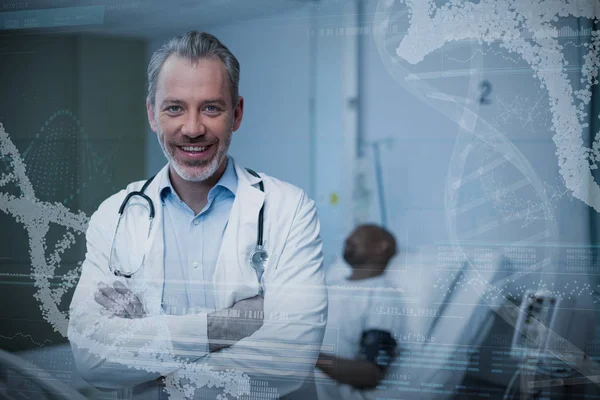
228,182
229,179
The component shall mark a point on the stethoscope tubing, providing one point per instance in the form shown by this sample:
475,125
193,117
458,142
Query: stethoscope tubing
259,235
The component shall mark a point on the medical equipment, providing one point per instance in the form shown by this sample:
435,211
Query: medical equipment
258,257
141,194
536,316
549,338
377,346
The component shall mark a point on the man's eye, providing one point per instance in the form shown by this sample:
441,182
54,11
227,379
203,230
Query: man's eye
174,109
211,109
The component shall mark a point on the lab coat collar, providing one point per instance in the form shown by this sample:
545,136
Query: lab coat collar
234,278
244,175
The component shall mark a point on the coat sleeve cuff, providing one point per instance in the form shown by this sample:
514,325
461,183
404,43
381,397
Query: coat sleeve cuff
189,335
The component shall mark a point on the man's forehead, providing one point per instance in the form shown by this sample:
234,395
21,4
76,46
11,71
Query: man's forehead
175,60
182,73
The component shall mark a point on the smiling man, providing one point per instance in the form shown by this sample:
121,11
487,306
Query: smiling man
209,264
194,109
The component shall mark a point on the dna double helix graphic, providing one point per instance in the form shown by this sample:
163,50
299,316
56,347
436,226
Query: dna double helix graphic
493,194
37,216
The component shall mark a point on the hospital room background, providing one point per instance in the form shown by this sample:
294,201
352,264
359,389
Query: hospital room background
477,151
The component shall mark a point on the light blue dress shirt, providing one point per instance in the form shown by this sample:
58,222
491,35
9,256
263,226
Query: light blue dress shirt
192,244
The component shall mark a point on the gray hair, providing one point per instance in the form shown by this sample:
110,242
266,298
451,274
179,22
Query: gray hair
194,46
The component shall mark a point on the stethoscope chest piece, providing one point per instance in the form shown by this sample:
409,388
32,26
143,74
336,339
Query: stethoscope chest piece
258,258
259,255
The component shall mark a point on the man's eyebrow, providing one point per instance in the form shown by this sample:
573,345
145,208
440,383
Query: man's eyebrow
218,101
171,101
215,101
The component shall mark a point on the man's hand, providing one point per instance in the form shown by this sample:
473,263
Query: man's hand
226,327
119,301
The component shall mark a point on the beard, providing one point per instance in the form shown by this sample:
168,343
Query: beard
195,171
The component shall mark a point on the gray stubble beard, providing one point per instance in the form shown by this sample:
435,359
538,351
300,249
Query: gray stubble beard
180,169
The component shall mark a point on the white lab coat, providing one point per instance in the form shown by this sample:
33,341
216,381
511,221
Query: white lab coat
114,352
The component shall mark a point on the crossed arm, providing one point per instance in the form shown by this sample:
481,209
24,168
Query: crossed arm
224,327
360,374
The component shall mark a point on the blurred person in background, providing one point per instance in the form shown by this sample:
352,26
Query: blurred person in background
360,339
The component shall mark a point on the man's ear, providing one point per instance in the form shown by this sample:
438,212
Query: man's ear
150,112
238,113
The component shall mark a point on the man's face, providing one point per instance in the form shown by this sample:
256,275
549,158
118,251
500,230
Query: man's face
194,116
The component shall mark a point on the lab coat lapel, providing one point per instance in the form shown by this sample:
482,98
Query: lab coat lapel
149,280
234,278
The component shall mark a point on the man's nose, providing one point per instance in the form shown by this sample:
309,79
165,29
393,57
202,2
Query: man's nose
194,126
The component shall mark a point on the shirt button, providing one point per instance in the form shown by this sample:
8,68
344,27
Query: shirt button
195,264
196,222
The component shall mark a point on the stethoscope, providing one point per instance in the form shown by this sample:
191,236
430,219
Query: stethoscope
258,257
